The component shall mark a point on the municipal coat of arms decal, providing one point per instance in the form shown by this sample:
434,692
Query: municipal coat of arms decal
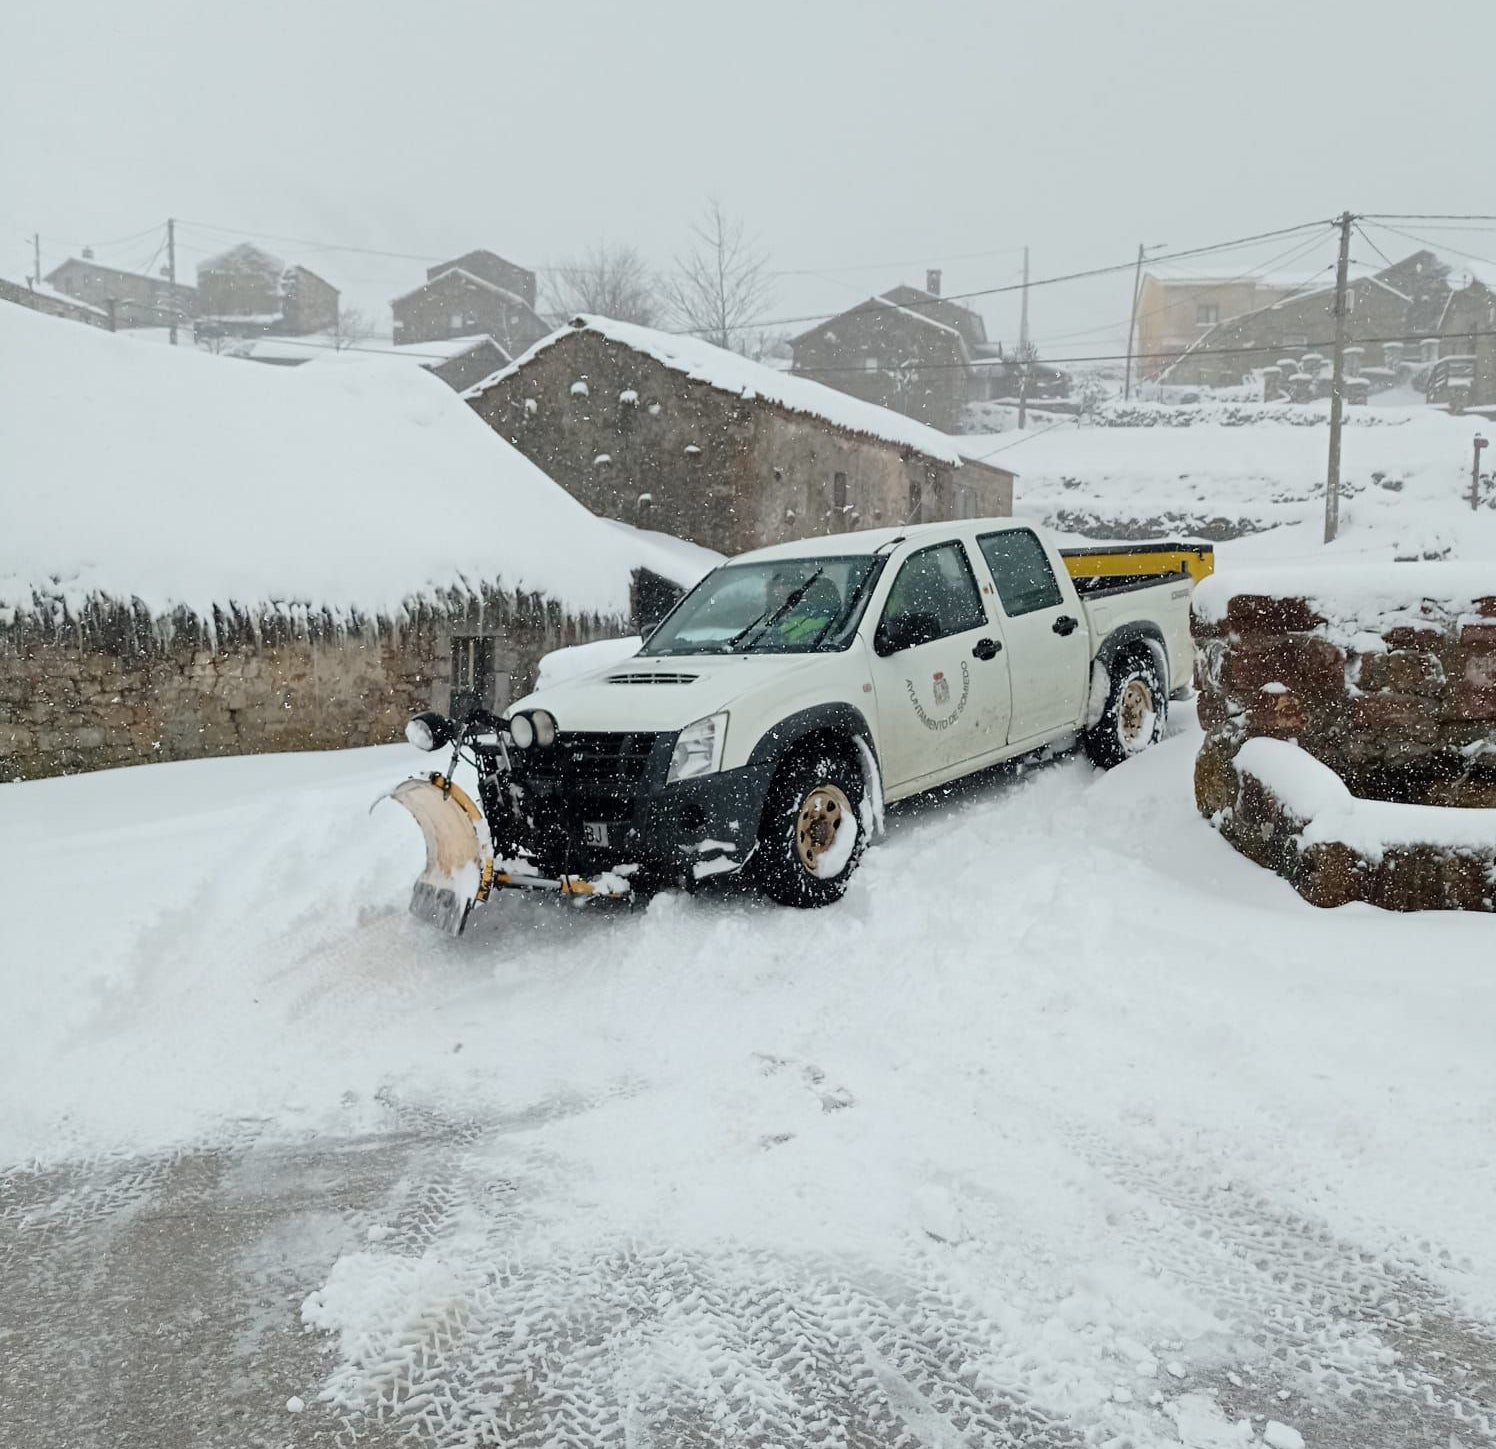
940,693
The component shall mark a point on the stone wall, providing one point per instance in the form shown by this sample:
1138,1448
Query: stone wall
1400,711
116,688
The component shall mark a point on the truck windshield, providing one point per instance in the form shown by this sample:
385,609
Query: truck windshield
776,606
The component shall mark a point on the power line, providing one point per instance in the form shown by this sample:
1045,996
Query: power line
1107,271
1421,216
1442,246
1360,233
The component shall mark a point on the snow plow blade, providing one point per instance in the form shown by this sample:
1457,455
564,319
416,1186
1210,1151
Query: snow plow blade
459,855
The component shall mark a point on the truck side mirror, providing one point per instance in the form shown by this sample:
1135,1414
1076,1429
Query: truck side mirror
909,630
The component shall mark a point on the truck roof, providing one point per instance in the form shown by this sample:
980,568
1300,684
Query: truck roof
869,540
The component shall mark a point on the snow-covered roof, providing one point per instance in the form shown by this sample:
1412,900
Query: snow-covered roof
730,373
54,295
918,316
444,349
187,480
467,276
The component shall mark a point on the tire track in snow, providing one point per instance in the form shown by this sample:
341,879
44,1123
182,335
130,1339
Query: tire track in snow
1357,1334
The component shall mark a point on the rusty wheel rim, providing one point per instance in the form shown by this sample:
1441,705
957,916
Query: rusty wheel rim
1136,713
821,812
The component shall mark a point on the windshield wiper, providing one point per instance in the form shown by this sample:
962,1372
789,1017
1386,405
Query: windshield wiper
767,620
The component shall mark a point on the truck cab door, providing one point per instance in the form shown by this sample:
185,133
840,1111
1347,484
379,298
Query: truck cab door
1044,627
940,675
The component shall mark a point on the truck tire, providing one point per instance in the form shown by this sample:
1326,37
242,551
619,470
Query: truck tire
815,797
1135,712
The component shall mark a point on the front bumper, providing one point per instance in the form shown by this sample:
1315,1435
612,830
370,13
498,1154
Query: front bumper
671,833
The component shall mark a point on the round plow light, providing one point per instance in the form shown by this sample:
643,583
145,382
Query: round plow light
420,734
521,731
545,728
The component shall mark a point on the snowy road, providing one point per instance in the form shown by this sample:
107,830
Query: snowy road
1067,1127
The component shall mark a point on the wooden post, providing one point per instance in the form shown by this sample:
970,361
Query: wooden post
1337,382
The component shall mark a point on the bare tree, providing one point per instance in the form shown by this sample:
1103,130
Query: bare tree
353,326
609,281
721,287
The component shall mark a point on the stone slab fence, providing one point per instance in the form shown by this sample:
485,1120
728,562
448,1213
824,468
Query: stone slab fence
1376,686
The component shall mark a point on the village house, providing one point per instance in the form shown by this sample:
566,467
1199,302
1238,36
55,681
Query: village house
907,349
1392,316
261,559
133,300
474,295
672,433
1463,376
249,292
460,362
1175,312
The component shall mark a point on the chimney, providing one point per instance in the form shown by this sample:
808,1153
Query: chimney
932,281
88,254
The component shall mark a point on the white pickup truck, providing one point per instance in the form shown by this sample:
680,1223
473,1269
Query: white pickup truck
765,721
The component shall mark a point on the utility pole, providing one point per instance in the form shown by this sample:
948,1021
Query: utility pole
36,259
1337,381
171,273
1132,324
1023,347
1480,443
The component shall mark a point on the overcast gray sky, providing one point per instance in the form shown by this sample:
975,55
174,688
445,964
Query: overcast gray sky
861,142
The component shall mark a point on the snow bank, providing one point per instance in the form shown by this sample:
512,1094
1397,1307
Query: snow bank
184,480
730,373
1315,794
1358,597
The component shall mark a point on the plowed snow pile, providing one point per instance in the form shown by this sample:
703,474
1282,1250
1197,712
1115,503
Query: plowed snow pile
1068,1126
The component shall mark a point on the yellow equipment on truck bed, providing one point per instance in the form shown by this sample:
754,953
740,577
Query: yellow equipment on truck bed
1116,565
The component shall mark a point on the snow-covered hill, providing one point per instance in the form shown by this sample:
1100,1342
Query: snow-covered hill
179,478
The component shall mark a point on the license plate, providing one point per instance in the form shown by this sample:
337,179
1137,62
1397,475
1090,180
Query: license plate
595,833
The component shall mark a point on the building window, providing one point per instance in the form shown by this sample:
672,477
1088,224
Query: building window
454,322
1207,314
839,492
1296,339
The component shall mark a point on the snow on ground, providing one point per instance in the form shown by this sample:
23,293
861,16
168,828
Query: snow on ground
1068,1125
1406,482
175,478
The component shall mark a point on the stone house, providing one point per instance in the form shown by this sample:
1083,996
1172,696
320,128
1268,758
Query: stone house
475,295
460,362
262,559
136,300
1390,313
1464,374
675,434
907,349
247,292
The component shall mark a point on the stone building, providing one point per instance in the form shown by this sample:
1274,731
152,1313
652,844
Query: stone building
1176,311
1464,374
675,434
473,295
258,559
136,300
1391,312
906,349
246,291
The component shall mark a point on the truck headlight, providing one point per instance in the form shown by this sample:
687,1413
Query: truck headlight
429,730
698,749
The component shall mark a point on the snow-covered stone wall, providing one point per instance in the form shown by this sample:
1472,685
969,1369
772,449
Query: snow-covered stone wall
121,688
1382,692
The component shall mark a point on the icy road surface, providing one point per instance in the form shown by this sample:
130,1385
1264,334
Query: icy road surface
1068,1127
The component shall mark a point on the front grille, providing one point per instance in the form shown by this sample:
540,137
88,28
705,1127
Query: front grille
658,677
581,758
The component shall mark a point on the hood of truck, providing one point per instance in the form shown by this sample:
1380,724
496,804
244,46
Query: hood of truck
663,693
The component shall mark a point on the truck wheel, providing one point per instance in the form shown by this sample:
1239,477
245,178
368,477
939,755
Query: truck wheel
1137,707
804,856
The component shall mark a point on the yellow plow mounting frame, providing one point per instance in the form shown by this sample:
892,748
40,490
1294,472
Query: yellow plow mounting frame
1140,560
460,871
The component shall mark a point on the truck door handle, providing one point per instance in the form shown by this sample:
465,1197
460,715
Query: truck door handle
1065,624
986,648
